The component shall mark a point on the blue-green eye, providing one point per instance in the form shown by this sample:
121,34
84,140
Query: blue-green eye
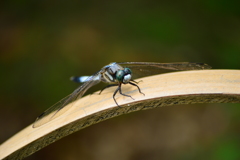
127,71
119,75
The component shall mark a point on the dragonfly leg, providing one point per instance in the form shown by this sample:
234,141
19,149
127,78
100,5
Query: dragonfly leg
136,81
120,91
115,92
107,87
137,87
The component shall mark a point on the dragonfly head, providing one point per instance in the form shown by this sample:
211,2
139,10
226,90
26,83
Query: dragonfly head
124,75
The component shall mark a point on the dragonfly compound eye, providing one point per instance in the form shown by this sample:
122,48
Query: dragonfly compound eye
120,75
127,78
127,71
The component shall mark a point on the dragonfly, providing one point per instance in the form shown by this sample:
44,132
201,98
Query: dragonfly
114,74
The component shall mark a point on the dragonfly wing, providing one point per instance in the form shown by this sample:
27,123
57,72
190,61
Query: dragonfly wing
47,115
171,66
60,107
141,69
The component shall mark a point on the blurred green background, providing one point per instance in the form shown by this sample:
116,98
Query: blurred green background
43,43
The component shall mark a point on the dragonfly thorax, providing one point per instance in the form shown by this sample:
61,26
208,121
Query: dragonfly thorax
124,76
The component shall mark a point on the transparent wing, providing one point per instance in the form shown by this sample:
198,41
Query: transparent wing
60,107
171,66
140,69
